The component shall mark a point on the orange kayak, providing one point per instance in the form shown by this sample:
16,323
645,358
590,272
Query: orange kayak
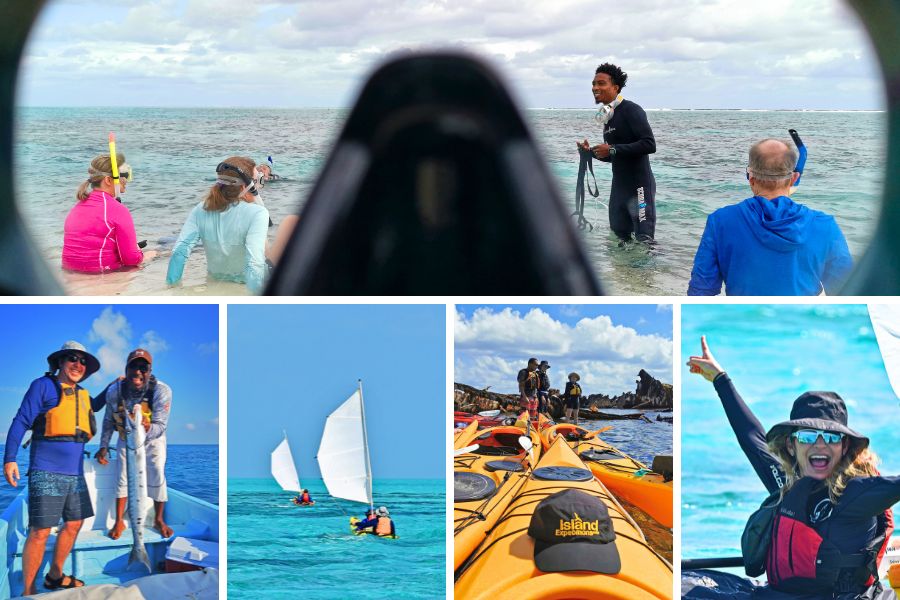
626,477
503,566
485,481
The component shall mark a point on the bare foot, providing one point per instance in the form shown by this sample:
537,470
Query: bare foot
163,529
116,532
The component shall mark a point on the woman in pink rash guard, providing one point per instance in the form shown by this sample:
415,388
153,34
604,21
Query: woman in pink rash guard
99,232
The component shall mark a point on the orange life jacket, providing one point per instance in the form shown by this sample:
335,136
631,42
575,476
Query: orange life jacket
71,420
383,527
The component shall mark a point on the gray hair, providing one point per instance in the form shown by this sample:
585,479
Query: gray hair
772,166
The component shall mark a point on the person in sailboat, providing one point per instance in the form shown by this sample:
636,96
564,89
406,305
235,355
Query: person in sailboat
138,386
379,523
304,499
60,414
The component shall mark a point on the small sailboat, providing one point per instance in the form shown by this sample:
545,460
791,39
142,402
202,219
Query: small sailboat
284,471
344,454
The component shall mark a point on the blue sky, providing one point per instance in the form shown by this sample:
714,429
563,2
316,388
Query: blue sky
607,345
289,53
290,366
183,340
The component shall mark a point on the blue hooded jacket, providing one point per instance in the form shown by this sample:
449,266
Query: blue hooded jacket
775,247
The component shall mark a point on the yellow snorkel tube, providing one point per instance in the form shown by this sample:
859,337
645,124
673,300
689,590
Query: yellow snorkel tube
112,159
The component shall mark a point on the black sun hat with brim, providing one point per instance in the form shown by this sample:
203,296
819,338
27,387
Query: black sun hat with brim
572,531
825,411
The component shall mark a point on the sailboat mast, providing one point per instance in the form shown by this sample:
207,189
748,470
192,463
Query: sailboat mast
362,408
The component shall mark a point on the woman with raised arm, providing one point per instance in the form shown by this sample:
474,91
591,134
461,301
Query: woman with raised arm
826,524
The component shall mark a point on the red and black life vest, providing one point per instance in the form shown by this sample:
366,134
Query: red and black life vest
799,560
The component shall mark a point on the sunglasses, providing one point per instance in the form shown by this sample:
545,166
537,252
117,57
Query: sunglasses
809,436
73,358
139,366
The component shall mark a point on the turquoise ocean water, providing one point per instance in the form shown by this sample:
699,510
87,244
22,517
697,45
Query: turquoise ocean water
698,166
279,550
192,469
773,354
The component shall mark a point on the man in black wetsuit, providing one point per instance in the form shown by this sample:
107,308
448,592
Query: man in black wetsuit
628,142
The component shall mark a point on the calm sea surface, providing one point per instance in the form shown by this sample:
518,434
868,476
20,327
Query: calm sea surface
636,437
698,166
772,354
279,550
192,469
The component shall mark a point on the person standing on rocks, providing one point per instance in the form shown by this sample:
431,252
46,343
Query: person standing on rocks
529,384
544,387
572,396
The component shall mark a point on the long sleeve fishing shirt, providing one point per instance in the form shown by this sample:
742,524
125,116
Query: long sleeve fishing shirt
118,391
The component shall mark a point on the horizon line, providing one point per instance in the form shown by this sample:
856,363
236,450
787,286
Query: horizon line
662,108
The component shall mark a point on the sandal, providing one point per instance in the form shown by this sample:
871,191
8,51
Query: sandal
56,584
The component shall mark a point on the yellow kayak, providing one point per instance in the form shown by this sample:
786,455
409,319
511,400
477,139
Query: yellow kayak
485,481
462,436
627,478
503,566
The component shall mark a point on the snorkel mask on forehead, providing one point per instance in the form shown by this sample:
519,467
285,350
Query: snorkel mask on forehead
242,178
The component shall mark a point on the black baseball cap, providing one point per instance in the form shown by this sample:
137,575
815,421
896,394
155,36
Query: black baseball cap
572,531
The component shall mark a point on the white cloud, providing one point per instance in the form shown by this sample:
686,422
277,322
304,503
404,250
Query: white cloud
696,53
491,347
112,331
153,343
190,426
206,348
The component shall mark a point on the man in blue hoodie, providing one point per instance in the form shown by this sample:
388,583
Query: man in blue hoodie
769,245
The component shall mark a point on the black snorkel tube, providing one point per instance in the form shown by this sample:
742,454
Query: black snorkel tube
801,158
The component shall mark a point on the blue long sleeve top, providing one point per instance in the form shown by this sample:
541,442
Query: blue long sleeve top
235,243
770,247
45,454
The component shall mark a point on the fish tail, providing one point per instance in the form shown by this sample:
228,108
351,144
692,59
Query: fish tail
139,555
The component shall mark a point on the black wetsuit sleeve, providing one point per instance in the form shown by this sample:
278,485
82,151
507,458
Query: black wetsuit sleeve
865,497
750,434
644,143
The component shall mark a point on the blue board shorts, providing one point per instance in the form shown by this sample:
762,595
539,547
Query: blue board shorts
54,496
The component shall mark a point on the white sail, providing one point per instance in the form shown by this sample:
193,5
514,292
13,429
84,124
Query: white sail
886,323
283,469
343,453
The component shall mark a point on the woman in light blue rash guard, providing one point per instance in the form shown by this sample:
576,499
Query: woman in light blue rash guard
231,226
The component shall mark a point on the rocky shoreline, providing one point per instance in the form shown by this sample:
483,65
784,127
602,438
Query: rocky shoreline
650,395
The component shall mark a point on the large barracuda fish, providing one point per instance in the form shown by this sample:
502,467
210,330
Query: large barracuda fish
136,468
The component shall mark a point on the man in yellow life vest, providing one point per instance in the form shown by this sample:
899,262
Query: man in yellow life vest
139,386
60,414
